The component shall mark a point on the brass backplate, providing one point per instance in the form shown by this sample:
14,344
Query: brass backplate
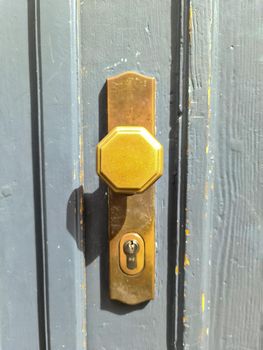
131,102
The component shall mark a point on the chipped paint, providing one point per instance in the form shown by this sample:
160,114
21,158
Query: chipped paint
203,334
6,191
190,24
187,232
81,159
116,64
186,261
206,190
209,93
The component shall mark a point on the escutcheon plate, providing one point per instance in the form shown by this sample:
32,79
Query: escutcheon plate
131,102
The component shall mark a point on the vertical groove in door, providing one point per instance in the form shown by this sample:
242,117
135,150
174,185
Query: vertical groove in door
182,172
177,173
34,53
171,311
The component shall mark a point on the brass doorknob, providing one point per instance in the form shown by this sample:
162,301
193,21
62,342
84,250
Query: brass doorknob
129,159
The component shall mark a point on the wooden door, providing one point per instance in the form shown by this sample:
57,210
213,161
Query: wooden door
117,36
206,57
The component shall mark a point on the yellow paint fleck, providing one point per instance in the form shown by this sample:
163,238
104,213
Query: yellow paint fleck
207,149
190,25
203,302
207,331
187,232
186,261
176,270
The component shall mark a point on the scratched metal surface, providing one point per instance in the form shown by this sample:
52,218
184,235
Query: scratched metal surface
223,287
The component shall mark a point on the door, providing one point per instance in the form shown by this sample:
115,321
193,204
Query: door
206,59
143,37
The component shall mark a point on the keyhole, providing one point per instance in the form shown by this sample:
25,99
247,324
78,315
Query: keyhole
131,248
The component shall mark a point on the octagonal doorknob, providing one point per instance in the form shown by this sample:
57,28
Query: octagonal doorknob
129,159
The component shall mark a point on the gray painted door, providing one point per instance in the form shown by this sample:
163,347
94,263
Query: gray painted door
206,57
223,282
141,36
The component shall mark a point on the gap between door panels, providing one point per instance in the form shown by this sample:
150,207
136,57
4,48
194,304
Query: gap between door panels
178,141
35,73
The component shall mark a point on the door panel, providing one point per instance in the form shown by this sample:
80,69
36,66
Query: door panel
223,300
57,57
18,260
62,174
116,37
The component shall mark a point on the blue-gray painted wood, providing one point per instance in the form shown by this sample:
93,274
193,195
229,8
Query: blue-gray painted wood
223,287
18,271
62,173
42,291
142,36
48,122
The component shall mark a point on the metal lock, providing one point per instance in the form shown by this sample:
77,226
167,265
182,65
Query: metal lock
130,160
131,250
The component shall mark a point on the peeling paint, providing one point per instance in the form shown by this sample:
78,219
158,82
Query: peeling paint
190,24
186,261
81,159
6,191
206,190
187,232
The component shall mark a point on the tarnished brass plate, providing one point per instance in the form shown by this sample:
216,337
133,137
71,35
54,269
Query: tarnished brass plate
131,102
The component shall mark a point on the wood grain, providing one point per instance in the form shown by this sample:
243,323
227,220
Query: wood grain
62,173
224,221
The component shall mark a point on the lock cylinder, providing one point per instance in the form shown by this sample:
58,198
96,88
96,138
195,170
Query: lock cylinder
131,253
